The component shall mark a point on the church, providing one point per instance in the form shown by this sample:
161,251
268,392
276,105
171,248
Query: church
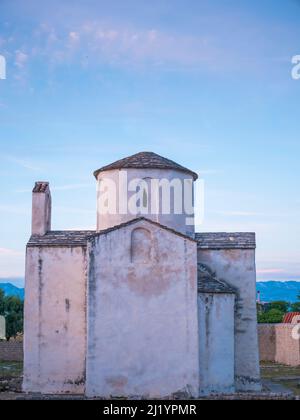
142,306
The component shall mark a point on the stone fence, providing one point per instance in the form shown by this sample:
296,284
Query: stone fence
276,344
11,351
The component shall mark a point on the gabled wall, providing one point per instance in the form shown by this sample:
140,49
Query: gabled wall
142,313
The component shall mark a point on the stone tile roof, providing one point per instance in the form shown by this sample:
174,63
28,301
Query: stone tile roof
226,240
138,219
70,238
208,282
60,238
144,160
40,187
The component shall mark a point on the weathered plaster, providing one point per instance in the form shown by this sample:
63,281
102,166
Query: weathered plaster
140,333
41,212
174,221
55,320
142,313
216,343
237,268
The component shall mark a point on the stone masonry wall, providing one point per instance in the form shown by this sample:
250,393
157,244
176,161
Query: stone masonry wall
267,342
11,351
276,344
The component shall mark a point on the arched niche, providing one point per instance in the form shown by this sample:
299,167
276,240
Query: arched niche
141,246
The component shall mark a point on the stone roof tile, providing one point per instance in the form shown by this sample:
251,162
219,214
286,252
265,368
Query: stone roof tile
209,283
61,238
70,238
144,160
226,240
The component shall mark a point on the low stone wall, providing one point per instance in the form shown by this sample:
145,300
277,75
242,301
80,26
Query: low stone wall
11,351
276,344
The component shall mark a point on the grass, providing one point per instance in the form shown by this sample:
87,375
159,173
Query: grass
287,376
10,369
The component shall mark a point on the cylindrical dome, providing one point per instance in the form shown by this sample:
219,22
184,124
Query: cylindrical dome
146,185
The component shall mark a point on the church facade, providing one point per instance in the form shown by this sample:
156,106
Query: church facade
143,305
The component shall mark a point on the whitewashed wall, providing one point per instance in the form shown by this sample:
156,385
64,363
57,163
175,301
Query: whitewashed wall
55,320
237,268
142,313
174,221
216,343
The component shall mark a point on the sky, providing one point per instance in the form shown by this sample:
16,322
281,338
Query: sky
206,83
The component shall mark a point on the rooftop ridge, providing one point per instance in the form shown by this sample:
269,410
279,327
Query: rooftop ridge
143,160
138,219
226,240
209,283
71,238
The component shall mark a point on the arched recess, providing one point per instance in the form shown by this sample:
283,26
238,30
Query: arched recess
141,246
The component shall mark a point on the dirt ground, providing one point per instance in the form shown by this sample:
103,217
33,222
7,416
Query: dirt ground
10,380
282,376
279,382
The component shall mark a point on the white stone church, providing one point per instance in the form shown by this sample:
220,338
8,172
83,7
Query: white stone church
143,305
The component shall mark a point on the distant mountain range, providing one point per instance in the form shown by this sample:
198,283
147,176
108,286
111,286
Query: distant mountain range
269,290
11,290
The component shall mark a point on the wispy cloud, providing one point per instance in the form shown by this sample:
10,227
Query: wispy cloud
203,172
21,59
14,209
94,42
26,164
68,187
237,213
10,252
271,271
73,210
11,263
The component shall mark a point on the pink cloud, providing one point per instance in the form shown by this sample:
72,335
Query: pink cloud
20,59
271,271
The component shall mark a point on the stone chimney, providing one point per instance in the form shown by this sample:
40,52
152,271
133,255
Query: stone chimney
41,209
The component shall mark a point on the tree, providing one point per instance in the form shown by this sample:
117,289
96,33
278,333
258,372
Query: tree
2,298
280,305
273,316
12,308
295,307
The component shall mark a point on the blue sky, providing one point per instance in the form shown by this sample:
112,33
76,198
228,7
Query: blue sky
205,83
